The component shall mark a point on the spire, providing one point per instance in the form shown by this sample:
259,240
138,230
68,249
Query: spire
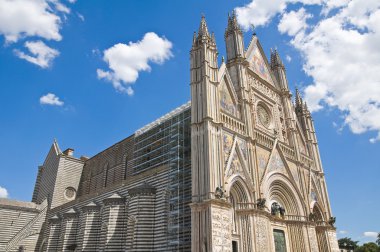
203,30
234,40
203,34
275,60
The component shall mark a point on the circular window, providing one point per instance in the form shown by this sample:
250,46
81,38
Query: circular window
70,193
263,115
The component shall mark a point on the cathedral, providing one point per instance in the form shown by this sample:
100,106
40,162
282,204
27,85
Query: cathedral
237,168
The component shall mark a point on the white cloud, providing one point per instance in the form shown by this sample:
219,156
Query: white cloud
42,55
260,12
22,18
342,56
343,232
3,192
288,58
59,6
51,99
370,234
80,16
293,22
127,60
375,139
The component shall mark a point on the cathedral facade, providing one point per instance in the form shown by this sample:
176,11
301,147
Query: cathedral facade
235,169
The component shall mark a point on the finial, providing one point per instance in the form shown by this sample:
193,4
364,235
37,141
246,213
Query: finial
222,59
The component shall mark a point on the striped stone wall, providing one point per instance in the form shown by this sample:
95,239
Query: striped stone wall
125,216
20,224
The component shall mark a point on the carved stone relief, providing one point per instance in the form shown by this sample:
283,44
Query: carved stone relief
262,234
313,240
333,241
221,229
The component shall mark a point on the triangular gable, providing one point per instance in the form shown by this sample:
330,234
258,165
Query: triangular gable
315,191
277,163
53,153
236,164
228,141
228,97
258,61
301,141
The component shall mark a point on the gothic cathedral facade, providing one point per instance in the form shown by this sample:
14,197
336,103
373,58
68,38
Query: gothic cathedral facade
257,178
236,169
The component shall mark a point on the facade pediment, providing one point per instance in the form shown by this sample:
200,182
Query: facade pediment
258,61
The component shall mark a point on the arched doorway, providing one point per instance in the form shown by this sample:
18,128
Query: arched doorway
241,225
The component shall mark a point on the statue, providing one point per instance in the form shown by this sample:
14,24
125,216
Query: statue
277,210
332,221
312,217
219,193
261,203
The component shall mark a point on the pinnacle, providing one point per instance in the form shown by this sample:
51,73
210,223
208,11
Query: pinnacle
299,102
275,59
232,22
203,30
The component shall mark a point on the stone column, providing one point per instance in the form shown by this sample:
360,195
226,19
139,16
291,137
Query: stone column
90,223
112,227
54,233
69,230
141,213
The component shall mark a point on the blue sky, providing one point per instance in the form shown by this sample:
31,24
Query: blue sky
329,49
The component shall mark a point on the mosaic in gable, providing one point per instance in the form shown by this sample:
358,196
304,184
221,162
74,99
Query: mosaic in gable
313,196
226,102
302,145
258,64
228,141
276,162
235,166
243,148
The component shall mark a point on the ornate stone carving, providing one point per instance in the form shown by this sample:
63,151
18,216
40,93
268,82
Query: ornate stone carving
263,89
